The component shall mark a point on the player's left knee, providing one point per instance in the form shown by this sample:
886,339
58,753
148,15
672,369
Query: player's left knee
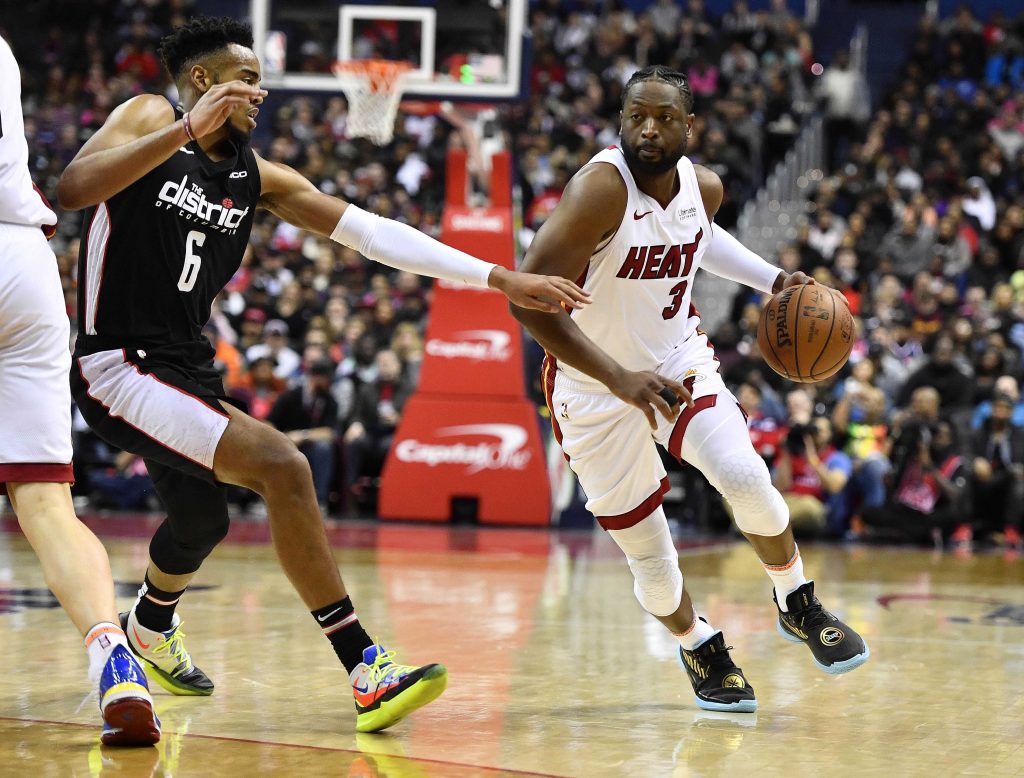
744,481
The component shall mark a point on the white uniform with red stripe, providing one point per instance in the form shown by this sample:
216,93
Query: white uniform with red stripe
35,398
641,279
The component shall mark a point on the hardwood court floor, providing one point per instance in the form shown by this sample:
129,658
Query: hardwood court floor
555,671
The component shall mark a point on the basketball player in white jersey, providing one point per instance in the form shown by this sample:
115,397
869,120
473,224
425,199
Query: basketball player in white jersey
35,431
635,224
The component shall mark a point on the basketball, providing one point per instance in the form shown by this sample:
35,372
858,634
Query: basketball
806,333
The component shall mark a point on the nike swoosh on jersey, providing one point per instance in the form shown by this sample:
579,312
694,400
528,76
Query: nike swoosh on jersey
186,150
637,216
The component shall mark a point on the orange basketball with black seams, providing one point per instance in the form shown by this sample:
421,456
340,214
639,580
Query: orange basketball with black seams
805,333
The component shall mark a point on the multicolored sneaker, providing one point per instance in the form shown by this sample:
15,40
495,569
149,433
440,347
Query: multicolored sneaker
718,684
165,657
385,693
835,646
125,704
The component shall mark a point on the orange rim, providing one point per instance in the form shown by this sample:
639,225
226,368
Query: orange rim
382,75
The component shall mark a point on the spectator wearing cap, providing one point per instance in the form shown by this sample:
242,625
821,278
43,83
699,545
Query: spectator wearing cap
997,477
308,415
275,345
250,329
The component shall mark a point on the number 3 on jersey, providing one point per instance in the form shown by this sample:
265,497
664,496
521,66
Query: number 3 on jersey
677,300
190,272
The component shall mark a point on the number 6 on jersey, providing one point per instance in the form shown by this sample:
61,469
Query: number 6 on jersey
190,272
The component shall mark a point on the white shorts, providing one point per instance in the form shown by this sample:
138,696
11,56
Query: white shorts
35,397
610,445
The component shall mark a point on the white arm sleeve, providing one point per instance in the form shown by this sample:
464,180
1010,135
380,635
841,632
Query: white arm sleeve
401,246
728,258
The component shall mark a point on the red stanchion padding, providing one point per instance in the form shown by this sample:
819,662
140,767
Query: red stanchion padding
450,451
473,345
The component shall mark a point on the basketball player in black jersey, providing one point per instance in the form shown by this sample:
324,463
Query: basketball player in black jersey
171,194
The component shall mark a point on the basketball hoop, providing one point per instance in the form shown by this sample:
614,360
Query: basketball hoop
374,89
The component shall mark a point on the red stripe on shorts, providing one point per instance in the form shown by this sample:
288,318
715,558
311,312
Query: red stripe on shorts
35,473
675,441
640,512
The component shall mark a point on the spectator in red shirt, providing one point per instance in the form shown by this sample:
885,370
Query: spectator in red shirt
812,476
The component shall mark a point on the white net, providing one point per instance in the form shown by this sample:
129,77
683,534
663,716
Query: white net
374,90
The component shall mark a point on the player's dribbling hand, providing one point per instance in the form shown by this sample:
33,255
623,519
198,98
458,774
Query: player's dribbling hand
215,106
649,391
541,293
799,277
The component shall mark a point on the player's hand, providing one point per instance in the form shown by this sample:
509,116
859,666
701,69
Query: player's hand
214,107
649,391
799,278
541,293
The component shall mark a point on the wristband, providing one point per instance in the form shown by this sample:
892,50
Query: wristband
188,127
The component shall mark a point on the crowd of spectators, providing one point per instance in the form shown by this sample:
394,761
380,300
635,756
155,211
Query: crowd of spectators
920,223
299,306
917,221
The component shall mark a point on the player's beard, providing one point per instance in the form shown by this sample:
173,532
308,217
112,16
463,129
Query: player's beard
238,136
669,159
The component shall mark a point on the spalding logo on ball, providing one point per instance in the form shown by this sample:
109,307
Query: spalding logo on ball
806,333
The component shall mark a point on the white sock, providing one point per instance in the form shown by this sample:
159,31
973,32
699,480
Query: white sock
787,578
99,643
696,635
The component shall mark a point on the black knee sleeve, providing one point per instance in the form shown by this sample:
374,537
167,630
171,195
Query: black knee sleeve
197,520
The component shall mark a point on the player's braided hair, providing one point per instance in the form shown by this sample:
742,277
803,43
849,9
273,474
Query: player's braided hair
200,36
667,75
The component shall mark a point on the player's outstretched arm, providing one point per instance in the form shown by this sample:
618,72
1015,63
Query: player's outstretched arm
290,196
138,136
590,210
727,257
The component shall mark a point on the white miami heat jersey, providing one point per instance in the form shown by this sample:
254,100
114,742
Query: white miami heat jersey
20,202
641,278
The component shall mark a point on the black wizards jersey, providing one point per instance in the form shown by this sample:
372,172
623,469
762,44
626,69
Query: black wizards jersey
154,256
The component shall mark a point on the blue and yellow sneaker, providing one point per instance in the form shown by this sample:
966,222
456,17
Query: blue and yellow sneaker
385,693
165,657
125,704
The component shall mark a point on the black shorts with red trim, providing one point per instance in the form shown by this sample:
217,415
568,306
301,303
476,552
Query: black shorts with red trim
153,402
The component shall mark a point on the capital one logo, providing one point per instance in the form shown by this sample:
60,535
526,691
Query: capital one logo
476,221
479,345
504,451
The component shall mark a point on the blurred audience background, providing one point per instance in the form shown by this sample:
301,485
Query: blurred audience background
919,220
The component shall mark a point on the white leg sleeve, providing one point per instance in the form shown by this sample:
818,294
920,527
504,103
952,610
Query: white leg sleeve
718,444
652,556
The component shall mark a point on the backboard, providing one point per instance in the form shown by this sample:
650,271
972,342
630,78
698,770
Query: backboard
460,49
